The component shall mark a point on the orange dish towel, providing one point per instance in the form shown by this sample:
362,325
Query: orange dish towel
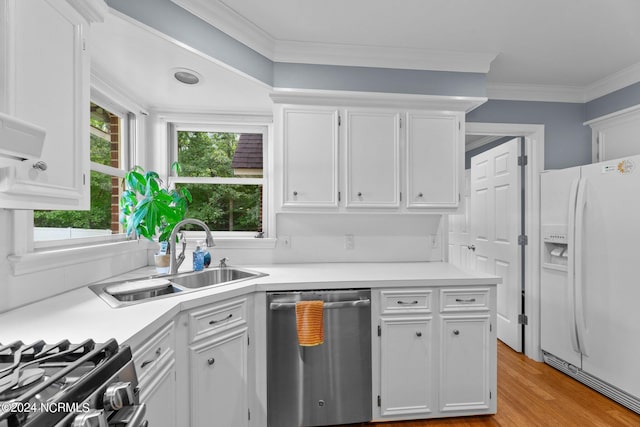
310,323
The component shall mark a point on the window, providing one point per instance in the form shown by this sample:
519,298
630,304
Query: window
223,170
107,155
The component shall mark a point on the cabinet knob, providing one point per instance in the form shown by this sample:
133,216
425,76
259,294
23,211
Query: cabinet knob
359,194
295,193
420,194
418,334
211,361
456,332
40,165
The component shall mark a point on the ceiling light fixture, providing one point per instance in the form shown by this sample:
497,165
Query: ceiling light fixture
186,76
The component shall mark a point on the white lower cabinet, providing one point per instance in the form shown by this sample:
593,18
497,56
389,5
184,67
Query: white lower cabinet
159,395
155,365
218,359
435,353
406,377
465,363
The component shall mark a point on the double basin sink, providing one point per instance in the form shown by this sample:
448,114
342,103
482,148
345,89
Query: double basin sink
124,293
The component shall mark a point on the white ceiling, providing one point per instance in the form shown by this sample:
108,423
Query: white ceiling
142,63
583,48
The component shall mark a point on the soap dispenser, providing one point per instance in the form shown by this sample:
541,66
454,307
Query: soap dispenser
198,257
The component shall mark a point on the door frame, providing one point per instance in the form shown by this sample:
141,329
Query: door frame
534,146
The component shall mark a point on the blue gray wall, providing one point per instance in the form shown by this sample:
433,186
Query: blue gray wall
567,140
170,19
612,102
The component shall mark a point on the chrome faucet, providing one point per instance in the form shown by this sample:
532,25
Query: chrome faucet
174,263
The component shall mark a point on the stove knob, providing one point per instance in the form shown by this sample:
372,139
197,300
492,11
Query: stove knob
91,418
118,395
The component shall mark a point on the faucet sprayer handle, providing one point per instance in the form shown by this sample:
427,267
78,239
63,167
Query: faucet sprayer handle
223,262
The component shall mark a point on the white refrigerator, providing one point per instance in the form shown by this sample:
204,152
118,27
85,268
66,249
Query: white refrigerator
590,276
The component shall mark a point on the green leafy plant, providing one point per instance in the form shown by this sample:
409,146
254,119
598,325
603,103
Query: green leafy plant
148,207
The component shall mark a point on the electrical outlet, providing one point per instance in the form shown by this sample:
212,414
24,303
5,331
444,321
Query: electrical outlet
348,242
285,241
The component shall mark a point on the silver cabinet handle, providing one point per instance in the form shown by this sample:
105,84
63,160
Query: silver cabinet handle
211,361
456,332
472,247
327,305
147,362
295,193
465,301
407,303
40,165
213,322
418,334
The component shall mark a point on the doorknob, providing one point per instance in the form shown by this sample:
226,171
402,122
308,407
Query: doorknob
472,247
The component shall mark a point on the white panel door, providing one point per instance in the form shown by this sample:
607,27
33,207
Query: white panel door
495,226
461,248
373,146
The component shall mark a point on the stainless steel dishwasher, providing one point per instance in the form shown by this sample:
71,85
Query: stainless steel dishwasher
325,384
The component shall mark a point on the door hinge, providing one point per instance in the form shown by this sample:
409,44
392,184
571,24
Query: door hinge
459,126
248,340
339,120
379,331
523,240
523,160
338,196
598,148
379,401
248,414
84,179
401,196
489,394
400,122
490,327
523,319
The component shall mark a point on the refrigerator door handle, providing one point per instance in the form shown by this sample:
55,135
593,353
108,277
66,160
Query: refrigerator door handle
571,248
581,203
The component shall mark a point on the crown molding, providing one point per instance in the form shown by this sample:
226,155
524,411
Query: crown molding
615,81
230,22
541,93
381,57
343,98
227,20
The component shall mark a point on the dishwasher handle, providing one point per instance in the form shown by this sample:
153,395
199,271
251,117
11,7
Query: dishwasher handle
327,305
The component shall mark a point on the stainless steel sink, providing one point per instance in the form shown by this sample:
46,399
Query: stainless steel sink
212,276
124,293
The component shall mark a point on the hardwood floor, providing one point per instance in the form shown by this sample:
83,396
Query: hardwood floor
534,394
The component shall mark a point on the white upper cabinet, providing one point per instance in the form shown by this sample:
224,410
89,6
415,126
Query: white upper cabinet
433,160
310,149
45,81
360,151
372,144
615,135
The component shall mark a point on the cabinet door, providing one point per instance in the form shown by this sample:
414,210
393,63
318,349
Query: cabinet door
219,381
464,363
372,159
406,376
310,139
48,86
433,161
159,394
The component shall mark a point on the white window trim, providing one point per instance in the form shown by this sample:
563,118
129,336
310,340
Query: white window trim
232,239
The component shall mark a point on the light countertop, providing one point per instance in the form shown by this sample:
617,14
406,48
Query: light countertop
81,314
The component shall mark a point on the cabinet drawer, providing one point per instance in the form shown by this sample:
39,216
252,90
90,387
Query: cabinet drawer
464,299
159,347
217,317
410,301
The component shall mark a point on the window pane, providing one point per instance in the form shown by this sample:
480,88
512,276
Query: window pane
226,207
220,154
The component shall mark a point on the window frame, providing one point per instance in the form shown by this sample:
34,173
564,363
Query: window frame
230,238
